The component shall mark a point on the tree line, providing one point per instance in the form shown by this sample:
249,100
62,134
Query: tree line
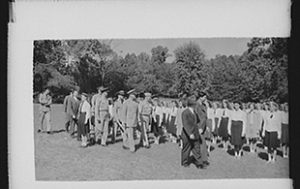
258,74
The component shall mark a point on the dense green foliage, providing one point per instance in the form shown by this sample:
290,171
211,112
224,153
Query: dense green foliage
260,73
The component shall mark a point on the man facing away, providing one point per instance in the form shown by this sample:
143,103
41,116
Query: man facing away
45,101
190,136
131,110
73,111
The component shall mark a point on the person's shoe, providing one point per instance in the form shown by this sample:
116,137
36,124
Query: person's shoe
186,165
206,163
39,130
147,146
201,166
104,145
49,132
125,147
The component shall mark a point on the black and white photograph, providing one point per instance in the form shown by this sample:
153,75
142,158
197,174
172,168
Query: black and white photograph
139,109
140,94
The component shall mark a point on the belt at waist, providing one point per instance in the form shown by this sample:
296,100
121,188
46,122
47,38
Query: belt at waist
103,110
145,115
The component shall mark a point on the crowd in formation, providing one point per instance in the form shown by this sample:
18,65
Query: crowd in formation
193,122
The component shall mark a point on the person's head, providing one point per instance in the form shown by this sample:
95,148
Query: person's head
155,102
237,106
224,104
121,94
132,94
191,102
258,106
251,106
147,96
104,94
202,97
230,105
286,107
273,106
46,91
83,96
214,105
180,104
75,93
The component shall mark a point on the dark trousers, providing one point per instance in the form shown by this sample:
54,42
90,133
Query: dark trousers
203,149
188,146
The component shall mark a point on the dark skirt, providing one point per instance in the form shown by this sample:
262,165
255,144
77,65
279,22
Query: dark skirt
208,132
164,119
271,139
83,129
236,133
155,128
171,128
223,132
215,131
284,134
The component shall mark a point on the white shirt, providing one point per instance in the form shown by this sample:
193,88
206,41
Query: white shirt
273,122
210,113
86,107
225,112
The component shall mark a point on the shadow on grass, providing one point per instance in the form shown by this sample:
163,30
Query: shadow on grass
280,153
259,145
58,131
230,152
212,148
263,156
246,148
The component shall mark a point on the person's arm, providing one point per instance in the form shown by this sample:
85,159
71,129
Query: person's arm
229,123
279,125
244,120
140,107
41,99
188,124
49,100
86,108
65,103
125,113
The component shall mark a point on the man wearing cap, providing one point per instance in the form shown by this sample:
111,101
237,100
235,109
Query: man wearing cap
95,107
118,111
190,136
102,112
145,113
45,101
67,110
201,111
131,110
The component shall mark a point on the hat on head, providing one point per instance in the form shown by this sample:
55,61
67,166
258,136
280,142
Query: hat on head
102,89
147,94
155,97
190,102
121,92
84,94
132,91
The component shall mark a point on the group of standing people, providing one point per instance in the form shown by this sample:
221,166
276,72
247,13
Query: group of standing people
193,122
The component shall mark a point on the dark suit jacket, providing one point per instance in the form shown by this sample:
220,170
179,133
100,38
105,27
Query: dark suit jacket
201,111
189,122
72,106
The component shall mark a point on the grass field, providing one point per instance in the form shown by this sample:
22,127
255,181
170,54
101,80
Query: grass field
59,157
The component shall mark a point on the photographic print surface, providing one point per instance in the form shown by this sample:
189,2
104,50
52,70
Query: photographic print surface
82,132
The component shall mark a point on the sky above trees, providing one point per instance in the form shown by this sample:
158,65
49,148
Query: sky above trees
211,46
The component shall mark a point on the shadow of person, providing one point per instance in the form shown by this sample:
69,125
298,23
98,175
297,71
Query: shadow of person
259,145
58,131
263,155
230,152
280,153
246,148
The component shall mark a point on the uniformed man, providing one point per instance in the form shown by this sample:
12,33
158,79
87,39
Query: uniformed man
131,111
67,109
201,111
145,113
119,115
45,101
102,112
95,107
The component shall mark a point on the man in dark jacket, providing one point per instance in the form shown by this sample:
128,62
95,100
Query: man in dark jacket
190,136
201,111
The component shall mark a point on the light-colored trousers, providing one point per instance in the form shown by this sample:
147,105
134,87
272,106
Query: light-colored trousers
144,128
103,127
128,138
45,118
